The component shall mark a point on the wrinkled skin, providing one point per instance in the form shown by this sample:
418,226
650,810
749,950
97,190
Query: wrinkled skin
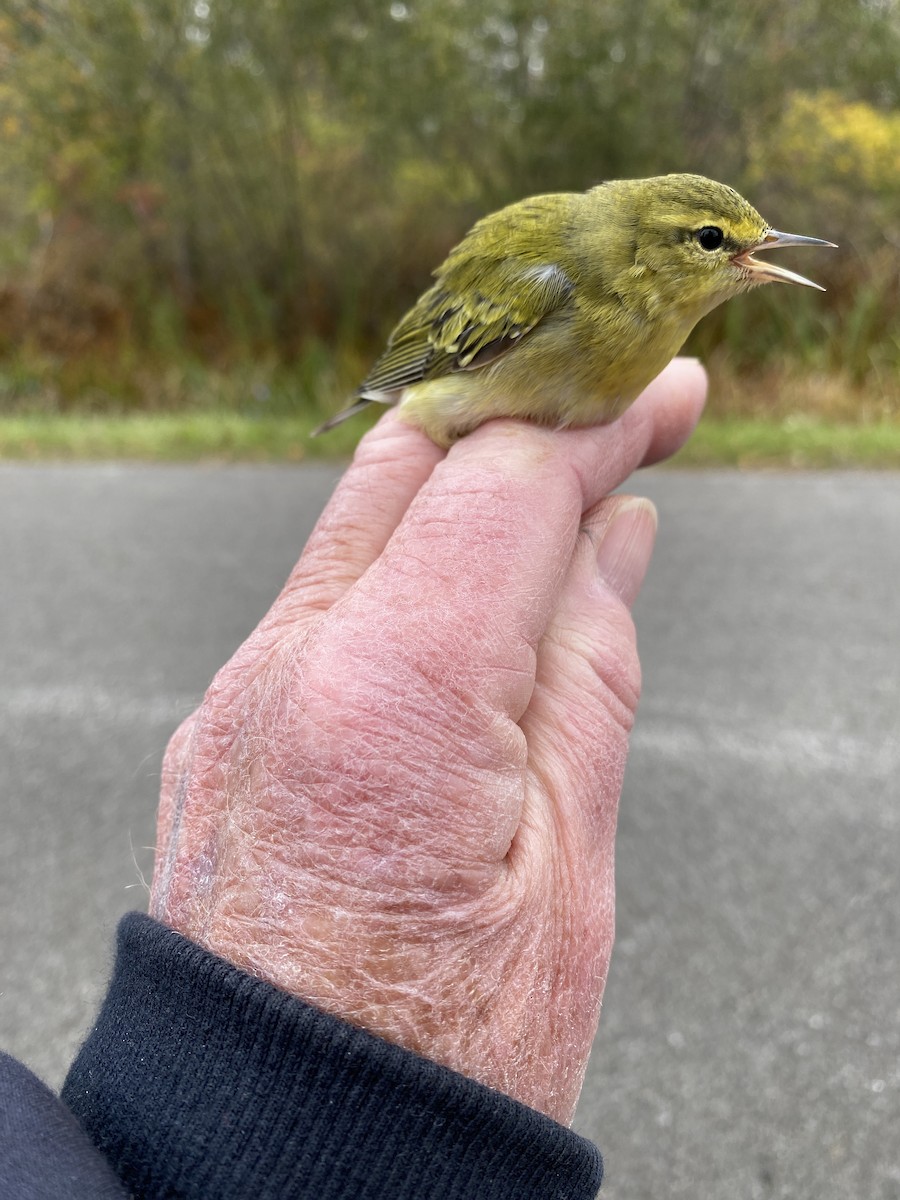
398,800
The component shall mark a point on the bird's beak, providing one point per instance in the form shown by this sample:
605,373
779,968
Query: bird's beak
764,272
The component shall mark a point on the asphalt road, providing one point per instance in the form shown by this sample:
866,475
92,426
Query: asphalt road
750,1041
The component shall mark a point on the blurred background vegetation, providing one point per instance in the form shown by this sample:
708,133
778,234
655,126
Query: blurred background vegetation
225,204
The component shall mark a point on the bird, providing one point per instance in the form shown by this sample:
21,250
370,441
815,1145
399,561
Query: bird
561,308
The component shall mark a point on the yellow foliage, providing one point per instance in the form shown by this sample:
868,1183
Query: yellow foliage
822,138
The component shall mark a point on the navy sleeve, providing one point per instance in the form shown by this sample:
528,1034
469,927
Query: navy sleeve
199,1081
43,1150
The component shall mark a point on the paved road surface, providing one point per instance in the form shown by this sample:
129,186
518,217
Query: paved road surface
750,1043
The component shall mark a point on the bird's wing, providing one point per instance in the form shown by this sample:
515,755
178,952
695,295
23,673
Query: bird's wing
482,304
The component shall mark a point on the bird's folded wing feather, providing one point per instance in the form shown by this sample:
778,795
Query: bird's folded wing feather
481,305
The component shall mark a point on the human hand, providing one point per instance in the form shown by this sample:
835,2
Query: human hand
398,799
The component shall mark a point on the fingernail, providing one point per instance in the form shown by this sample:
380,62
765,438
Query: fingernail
625,546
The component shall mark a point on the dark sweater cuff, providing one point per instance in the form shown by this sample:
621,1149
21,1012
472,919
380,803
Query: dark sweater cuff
201,1081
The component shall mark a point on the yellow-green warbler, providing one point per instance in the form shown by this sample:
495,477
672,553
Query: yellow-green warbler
561,308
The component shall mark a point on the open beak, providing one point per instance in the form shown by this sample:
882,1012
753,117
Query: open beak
763,272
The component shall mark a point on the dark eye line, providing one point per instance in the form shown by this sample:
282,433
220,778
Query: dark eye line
728,242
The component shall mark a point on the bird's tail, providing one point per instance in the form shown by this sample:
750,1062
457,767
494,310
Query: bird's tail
340,417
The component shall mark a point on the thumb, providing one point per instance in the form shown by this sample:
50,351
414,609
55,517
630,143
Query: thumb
587,659
588,674
623,535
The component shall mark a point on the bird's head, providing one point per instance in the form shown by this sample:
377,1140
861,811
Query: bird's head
696,240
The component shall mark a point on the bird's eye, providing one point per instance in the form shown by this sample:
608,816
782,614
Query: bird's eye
710,237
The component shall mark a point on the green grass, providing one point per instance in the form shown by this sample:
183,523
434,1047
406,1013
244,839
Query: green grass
188,437
797,442
794,442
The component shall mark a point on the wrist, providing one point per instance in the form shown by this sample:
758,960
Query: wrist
186,1050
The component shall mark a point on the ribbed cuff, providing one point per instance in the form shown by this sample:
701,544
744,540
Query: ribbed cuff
200,1081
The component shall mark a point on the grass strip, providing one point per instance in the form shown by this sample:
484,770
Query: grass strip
799,443
168,437
796,442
